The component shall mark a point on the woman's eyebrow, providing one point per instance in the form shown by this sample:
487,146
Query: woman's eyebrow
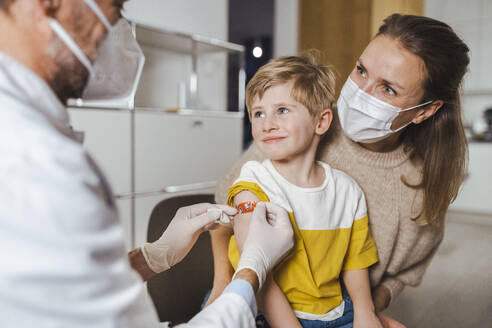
391,83
394,84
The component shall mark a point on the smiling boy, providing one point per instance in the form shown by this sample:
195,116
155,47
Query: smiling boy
289,102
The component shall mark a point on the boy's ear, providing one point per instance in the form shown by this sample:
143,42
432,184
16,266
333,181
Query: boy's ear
324,121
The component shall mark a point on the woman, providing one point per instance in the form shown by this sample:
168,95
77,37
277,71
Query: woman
400,136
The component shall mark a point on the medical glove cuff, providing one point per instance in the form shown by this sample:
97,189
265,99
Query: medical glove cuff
255,259
156,256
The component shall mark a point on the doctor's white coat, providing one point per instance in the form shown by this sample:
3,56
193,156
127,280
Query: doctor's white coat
62,257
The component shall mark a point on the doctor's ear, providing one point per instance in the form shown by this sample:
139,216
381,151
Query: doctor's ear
324,121
51,6
427,111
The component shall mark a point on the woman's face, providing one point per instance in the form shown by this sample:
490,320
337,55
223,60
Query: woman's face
392,74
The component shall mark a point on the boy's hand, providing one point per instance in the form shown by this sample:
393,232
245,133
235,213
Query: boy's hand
366,319
381,297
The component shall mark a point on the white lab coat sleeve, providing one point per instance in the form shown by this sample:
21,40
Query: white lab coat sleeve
229,310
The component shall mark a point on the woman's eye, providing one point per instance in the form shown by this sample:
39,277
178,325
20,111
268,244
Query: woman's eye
361,70
389,91
258,114
283,110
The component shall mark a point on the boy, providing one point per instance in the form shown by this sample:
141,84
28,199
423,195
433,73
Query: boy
289,102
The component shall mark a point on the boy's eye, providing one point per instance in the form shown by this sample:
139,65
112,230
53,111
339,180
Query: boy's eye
361,70
283,110
258,114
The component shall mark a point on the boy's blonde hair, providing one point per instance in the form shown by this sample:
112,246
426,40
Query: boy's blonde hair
313,84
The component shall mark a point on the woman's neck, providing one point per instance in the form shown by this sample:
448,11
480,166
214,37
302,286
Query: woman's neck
302,170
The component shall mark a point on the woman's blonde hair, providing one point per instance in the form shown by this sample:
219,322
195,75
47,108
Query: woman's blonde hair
439,143
313,84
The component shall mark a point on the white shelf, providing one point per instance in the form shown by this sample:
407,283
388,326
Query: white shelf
182,42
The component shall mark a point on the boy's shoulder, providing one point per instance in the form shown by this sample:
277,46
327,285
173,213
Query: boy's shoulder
255,171
341,180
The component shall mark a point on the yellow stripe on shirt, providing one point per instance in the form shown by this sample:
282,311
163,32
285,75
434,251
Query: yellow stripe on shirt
309,275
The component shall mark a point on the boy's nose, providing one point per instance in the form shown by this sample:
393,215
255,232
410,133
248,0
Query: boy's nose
269,124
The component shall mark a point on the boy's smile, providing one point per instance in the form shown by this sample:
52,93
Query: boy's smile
282,127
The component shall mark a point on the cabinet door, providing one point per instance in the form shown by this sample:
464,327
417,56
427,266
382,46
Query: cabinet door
172,149
108,140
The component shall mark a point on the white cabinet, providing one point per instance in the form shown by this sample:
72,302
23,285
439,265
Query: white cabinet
174,149
108,139
146,149
476,193
170,149
184,149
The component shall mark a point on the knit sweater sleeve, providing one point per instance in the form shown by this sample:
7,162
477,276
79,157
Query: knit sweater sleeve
225,182
413,275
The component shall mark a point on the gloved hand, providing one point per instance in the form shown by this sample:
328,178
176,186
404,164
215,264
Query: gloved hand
182,233
270,237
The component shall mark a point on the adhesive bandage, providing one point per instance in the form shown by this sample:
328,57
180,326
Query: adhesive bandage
246,207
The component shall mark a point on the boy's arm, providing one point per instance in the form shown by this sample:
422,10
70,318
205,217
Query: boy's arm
272,300
275,306
358,288
223,269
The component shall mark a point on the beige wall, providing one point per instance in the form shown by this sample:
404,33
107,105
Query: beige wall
341,29
381,9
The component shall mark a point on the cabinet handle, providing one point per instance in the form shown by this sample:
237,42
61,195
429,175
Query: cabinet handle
168,190
197,124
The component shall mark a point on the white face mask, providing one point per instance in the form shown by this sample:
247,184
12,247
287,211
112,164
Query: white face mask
117,68
365,118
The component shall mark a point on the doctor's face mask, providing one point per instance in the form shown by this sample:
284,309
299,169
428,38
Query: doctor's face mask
118,64
365,118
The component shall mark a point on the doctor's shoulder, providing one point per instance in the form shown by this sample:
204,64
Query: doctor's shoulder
37,148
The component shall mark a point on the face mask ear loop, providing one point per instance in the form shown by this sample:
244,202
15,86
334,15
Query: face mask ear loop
95,8
71,44
420,105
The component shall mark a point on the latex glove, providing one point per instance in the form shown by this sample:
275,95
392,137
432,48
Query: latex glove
182,233
270,237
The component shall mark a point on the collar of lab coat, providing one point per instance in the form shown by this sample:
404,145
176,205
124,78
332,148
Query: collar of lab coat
19,82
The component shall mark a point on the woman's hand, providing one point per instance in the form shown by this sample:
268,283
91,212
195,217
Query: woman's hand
381,298
390,323
366,319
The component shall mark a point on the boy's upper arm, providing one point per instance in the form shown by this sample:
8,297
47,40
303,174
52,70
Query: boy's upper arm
241,220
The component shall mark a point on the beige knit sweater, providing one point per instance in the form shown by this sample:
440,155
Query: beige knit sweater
404,248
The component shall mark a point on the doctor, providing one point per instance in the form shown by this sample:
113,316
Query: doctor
62,257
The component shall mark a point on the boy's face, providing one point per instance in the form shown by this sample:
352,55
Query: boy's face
282,127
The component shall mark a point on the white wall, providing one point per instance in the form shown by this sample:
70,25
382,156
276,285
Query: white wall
472,20
164,70
207,17
286,28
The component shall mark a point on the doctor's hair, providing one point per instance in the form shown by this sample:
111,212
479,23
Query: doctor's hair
439,143
313,84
